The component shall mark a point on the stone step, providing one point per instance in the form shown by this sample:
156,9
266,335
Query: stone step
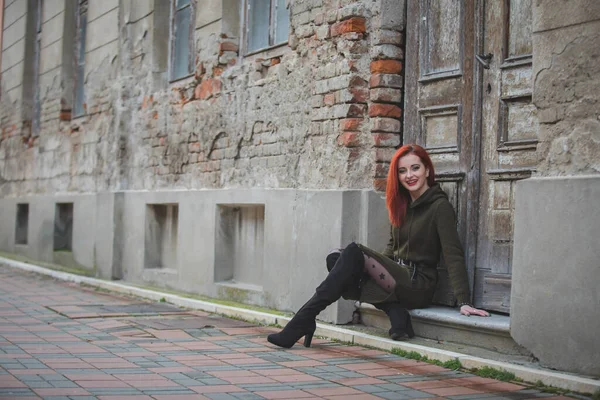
447,325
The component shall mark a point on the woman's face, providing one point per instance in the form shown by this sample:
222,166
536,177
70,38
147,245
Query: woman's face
413,175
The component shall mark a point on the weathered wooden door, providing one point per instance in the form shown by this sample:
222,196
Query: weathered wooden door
439,102
468,102
508,142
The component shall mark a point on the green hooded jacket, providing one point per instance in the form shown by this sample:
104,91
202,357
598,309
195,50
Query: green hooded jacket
428,232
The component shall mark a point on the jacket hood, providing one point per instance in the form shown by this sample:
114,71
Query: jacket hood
431,195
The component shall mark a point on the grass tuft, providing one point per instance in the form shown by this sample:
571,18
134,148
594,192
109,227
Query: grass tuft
413,355
489,372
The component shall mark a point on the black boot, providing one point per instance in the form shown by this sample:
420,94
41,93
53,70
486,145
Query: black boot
400,320
347,272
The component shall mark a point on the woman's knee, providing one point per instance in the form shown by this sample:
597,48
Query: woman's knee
353,250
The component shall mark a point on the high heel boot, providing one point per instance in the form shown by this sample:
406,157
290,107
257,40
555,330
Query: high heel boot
400,320
346,272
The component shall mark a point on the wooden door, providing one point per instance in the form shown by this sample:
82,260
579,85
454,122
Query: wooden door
508,142
439,105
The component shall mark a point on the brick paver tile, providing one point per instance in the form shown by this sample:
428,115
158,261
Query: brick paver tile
179,397
429,384
452,391
216,389
284,394
361,366
236,373
125,397
364,396
382,372
8,381
296,378
62,392
168,370
102,384
248,379
271,372
304,363
151,384
169,334
358,381
334,391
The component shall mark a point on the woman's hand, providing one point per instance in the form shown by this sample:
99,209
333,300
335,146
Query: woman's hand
468,311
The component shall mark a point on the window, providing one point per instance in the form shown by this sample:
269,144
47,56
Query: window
79,100
181,39
31,71
37,105
267,24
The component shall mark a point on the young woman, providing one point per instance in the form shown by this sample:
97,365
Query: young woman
405,275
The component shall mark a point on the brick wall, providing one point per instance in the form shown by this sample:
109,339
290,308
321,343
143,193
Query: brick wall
321,112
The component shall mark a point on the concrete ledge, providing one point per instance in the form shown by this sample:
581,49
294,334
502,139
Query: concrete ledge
557,379
447,325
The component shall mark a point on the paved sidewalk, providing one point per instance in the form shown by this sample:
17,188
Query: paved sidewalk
64,341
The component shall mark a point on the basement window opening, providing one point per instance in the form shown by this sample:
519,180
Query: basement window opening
22,225
160,239
63,227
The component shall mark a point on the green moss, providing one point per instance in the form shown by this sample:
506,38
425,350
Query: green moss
212,300
413,355
596,396
489,372
235,294
55,267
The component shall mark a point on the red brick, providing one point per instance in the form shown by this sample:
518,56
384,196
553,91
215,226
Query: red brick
350,124
329,99
386,139
379,184
194,147
386,67
385,110
227,46
385,125
356,110
65,115
357,82
348,139
359,95
275,60
386,95
386,80
383,154
355,24
207,88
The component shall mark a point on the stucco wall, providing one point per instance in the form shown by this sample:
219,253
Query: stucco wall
556,272
566,85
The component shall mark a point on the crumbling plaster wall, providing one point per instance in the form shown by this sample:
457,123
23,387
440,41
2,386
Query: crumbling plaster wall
566,85
66,155
296,116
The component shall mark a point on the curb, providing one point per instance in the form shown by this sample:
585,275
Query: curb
557,379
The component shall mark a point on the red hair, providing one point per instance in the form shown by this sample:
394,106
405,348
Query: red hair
396,195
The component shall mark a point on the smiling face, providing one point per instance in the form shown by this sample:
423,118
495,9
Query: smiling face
413,175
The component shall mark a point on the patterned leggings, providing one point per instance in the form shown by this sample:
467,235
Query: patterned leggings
375,269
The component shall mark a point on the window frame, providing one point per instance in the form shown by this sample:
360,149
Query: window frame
79,60
37,50
272,29
173,37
